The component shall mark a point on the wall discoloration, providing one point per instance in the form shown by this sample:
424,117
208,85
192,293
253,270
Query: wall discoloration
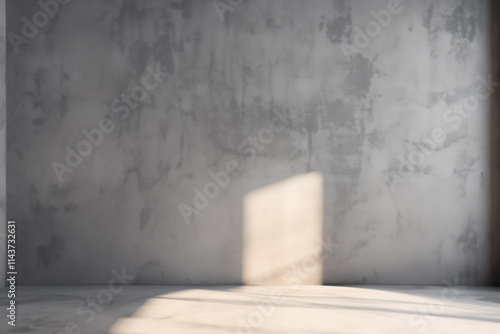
462,23
339,29
51,252
144,218
468,240
359,78
458,19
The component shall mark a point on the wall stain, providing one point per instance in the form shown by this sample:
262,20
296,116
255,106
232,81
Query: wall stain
468,240
52,252
358,81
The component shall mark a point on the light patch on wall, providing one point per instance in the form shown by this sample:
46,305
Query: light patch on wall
282,231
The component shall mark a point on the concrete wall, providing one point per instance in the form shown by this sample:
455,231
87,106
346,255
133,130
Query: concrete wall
3,227
277,88
494,151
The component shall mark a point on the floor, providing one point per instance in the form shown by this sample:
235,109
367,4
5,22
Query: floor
253,309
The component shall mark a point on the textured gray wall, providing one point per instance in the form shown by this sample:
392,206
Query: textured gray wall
352,102
494,148
3,257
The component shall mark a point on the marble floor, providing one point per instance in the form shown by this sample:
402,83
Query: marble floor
254,309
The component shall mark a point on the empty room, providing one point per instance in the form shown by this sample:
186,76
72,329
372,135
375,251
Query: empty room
250,166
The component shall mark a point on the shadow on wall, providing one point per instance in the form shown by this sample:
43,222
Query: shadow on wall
494,146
